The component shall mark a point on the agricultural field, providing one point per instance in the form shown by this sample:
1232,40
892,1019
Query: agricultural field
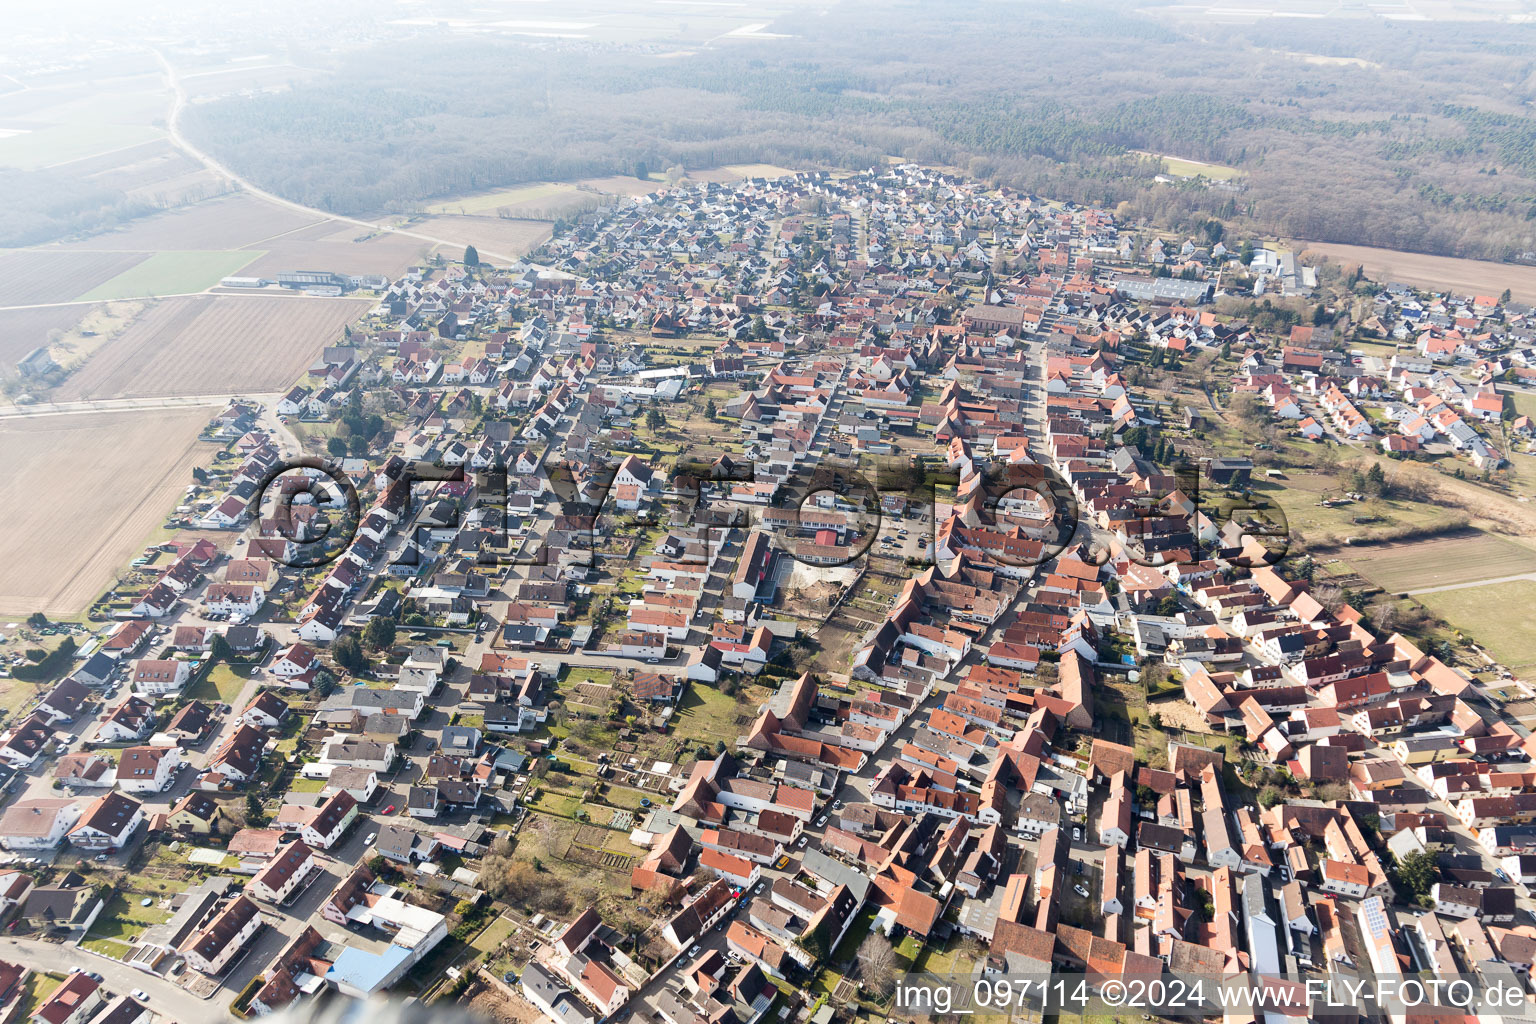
518,198
1498,616
81,122
1190,168
30,277
83,493
102,322
156,171
22,330
213,344
344,248
1299,493
489,235
736,172
227,222
1441,561
1437,273
172,273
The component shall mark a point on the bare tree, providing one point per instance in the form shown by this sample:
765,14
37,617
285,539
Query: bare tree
1329,595
1384,615
877,964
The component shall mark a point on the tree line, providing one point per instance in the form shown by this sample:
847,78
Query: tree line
1373,142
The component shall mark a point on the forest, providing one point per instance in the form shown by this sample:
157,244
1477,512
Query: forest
1409,135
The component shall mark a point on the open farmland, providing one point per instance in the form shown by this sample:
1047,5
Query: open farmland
30,277
519,198
344,248
155,169
1437,273
82,493
1441,561
228,222
79,121
1498,616
1190,168
488,234
22,330
172,273
213,344
736,172
1298,496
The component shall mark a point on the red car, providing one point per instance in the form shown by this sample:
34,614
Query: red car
390,809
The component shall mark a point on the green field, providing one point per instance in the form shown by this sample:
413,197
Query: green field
75,140
120,924
1189,168
488,202
494,934
39,986
1498,616
1298,495
1441,561
222,684
1523,401
705,714
173,273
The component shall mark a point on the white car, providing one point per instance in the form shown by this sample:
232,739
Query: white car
140,995
1080,891
694,951
370,839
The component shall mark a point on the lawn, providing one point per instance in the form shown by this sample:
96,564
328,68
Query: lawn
857,933
1496,615
943,961
494,934
222,683
1524,402
39,987
623,796
561,805
706,714
120,924
173,273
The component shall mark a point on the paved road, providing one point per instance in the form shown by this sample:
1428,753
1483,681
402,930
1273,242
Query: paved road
210,290
165,997
130,404
173,126
1473,583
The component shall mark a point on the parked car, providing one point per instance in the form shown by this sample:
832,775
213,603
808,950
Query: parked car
140,995
1080,891
1077,834
821,821
801,843
694,951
